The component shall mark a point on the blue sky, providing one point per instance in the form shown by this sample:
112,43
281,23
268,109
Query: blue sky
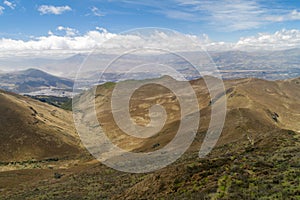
221,20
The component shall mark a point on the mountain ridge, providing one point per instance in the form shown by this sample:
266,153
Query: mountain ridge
32,80
257,155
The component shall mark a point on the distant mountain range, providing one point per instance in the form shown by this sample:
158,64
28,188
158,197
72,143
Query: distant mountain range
270,65
33,81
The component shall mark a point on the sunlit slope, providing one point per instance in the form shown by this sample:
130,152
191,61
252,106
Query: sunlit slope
254,108
31,129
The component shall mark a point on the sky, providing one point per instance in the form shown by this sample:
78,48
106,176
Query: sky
77,24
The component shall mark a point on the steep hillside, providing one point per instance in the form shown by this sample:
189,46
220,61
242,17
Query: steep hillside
30,129
254,107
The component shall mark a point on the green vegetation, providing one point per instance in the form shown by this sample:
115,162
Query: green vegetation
67,105
61,102
109,85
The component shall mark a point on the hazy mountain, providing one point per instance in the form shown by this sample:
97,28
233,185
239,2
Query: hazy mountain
272,65
33,80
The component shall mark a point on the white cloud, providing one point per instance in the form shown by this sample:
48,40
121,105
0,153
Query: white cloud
283,39
97,12
224,15
235,15
90,41
291,16
69,31
9,4
51,42
101,29
1,10
56,10
175,14
295,15
72,42
211,45
229,15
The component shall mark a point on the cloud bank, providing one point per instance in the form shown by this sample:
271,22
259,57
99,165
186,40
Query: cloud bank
73,42
283,39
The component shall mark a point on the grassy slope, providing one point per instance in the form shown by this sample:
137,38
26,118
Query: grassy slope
256,157
30,129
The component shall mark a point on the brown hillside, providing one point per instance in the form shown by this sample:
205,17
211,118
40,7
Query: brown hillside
254,107
33,130
257,155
